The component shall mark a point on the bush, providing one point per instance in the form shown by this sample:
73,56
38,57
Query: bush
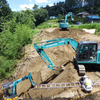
16,33
60,17
11,45
48,24
89,26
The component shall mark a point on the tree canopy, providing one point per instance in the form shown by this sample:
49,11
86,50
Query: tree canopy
74,6
16,31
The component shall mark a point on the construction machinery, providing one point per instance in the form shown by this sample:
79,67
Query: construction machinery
9,89
64,24
87,52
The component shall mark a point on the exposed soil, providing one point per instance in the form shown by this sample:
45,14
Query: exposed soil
94,96
59,55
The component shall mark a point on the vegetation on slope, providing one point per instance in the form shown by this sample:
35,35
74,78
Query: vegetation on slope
89,26
16,30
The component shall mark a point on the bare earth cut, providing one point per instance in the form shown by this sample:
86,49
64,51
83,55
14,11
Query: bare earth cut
59,56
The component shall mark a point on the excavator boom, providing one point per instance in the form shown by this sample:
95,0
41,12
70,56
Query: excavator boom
53,43
20,80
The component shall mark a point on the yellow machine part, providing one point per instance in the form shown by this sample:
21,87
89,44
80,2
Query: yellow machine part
6,98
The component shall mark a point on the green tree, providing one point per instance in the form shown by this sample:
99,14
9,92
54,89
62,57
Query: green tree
5,13
35,7
40,15
4,8
60,17
70,4
25,17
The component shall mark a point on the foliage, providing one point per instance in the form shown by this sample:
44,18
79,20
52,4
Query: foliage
77,19
11,45
35,6
17,31
70,4
25,17
89,26
75,6
7,66
40,15
5,13
48,24
60,17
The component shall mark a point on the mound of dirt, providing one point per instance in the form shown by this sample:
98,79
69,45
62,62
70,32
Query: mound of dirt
59,55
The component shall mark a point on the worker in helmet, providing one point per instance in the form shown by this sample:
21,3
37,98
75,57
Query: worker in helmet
86,84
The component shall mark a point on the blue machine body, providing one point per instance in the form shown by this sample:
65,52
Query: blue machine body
91,54
20,80
53,43
64,23
88,55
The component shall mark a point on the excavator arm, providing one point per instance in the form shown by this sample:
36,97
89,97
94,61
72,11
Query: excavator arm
69,14
20,80
53,43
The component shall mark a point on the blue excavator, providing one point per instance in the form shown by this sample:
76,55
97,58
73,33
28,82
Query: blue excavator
9,88
87,52
64,24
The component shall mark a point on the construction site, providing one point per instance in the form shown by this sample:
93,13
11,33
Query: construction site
60,56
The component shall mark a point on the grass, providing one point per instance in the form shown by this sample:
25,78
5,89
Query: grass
89,26
48,24
36,31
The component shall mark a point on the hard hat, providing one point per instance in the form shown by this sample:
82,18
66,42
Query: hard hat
84,77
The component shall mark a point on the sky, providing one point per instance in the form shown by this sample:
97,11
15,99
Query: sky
18,5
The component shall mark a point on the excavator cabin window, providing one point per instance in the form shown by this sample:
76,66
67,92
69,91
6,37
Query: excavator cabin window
7,92
93,50
83,54
87,51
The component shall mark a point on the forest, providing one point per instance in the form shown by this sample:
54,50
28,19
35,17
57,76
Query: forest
75,6
16,31
18,28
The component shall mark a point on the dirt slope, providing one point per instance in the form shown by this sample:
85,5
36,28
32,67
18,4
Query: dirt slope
59,56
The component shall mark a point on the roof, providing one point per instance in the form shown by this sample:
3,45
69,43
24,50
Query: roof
83,13
88,42
93,17
7,85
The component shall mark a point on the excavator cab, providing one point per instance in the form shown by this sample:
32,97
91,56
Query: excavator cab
87,51
8,94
